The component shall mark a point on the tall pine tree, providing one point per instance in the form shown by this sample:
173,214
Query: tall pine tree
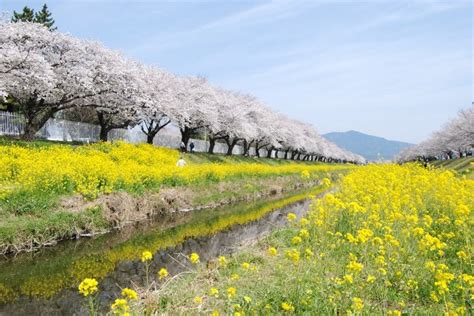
44,17
29,15
26,16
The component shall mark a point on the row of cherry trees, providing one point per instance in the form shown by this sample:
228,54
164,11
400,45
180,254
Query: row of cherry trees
455,139
45,73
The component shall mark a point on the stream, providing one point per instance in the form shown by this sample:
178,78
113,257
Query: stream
45,282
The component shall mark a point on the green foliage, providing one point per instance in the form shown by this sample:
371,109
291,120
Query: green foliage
44,17
29,15
28,202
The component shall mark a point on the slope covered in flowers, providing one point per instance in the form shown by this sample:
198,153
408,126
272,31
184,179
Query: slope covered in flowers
102,168
392,240
45,188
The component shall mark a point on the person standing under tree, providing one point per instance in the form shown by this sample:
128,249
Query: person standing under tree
191,147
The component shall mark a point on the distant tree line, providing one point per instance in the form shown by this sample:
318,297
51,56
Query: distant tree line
455,139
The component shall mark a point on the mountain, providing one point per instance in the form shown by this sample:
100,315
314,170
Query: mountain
371,147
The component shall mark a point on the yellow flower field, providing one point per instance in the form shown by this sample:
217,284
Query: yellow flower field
102,168
392,240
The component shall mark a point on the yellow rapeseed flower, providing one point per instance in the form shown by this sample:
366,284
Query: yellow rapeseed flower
272,251
222,261
146,256
305,174
371,278
120,307
355,266
462,254
214,292
304,221
163,273
291,217
194,258
296,240
88,286
304,233
348,278
293,255
231,292
326,182
287,307
357,304
129,293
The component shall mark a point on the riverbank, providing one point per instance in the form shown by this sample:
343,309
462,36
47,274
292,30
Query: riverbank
46,282
392,240
51,192
463,166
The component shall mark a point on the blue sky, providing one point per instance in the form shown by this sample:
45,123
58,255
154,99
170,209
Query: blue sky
396,69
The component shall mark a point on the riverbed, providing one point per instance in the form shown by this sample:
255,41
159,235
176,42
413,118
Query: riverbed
45,282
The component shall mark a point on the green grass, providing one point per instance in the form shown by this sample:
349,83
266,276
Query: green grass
198,158
14,141
463,166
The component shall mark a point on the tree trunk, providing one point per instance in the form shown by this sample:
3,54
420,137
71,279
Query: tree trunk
185,137
104,133
104,129
212,144
230,149
230,145
30,131
247,146
276,153
269,152
35,120
152,128
150,137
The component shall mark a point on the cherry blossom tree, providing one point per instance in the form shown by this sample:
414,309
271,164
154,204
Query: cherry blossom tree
234,124
159,92
454,139
47,72
42,71
195,109
121,98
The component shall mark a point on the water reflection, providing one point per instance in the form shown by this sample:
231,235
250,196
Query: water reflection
45,282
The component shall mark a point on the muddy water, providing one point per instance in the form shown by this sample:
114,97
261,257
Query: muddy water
45,283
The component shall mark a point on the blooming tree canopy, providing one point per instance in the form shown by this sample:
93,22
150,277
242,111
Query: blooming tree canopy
48,72
454,139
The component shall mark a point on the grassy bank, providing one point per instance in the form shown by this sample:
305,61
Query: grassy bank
463,166
51,191
393,240
64,267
